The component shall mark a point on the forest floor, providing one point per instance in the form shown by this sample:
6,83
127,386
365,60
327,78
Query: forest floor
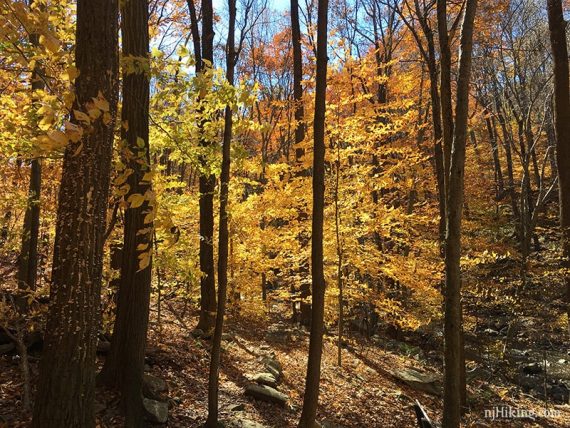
362,393
517,354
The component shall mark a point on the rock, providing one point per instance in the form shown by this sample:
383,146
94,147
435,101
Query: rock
240,407
559,393
278,334
197,333
6,348
156,411
532,369
518,355
228,337
276,374
153,387
529,383
425,382
239,422
273,363
266,393
328,424
265,379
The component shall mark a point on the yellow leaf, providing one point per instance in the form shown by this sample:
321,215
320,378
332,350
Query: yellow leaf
101,103
144,260
73,132
135,200
94,113
49,42
82,117
58,137
149,217
71,73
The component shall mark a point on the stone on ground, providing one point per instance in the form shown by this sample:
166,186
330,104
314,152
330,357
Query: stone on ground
239,422
273,366
156,411
153,387
424,382
265,379
266,393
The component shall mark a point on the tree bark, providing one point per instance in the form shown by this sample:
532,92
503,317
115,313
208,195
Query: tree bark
125,363
557,27
499,182
310,400
445,90
454,365
297,80
223,235
28,261
66,385
207,185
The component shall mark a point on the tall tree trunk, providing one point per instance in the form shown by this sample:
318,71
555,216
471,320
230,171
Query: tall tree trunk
339,255
28,262
437,134
66,386
507,141
557,26
297,80
125,364
223,235
499,182
454,356
310,400
304,315
207,185
445,89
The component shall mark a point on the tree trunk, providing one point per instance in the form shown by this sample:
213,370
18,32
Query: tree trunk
305,291
454,358
445,90
339,257
66,385
557,27
499,182
297,79
125,364
311,397
207,185
28,262
223,235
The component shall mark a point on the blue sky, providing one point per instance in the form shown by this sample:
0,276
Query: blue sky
273,4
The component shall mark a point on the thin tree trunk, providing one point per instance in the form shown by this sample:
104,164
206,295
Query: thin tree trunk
297,79
305,291
557,26
223,235
445,89
125,363
207,184
28,262
66,386
339,257
499,182
454,357
311,398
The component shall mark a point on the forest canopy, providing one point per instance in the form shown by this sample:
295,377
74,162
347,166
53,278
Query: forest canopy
282,213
